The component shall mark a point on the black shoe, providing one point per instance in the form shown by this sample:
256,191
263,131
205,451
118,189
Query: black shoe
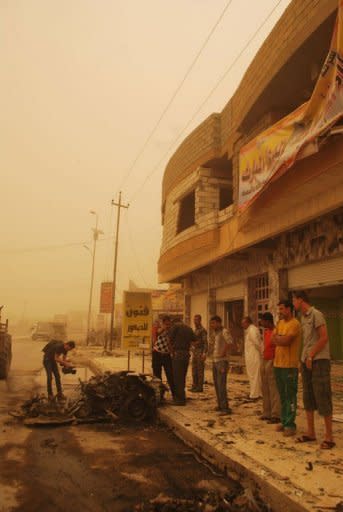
179,402
225,412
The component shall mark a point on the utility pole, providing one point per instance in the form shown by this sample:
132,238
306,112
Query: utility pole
96,233
119,205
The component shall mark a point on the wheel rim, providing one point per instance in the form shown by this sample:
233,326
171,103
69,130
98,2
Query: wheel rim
137,408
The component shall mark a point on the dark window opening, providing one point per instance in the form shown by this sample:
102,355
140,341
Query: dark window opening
225,197
187,212
295,81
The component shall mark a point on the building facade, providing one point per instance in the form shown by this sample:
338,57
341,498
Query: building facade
233,262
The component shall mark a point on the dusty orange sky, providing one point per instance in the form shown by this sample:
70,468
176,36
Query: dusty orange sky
83,83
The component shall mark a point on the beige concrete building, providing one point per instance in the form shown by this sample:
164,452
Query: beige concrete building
291,237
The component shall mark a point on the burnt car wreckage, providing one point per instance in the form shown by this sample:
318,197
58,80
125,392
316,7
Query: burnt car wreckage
129,396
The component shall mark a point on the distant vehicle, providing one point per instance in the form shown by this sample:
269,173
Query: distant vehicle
46,331
5,348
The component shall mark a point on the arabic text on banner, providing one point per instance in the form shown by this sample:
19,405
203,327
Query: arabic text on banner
275,150
137,319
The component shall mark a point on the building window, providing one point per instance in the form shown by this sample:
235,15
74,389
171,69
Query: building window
186,212
261,295
225,197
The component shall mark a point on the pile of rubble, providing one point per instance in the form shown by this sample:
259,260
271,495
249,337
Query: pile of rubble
238,500
125,395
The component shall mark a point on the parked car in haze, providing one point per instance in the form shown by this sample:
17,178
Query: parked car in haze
47,331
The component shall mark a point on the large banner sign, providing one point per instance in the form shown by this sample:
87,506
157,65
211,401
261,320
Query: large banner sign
137,319
106,297
274,151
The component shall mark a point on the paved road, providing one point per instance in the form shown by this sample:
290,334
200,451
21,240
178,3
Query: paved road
86,468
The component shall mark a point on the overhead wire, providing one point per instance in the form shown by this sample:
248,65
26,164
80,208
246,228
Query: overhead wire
42,248
157,124
214,88
175,93
159,120
135,255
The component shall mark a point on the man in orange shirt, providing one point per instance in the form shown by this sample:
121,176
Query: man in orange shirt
287,340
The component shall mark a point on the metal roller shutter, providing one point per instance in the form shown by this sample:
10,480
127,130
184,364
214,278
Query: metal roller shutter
232,292
312,275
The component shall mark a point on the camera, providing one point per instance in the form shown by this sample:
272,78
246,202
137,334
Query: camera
66,370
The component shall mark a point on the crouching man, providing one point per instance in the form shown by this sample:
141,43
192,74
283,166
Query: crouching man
55,353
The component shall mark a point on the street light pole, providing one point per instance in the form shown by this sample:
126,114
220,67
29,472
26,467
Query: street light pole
96,233
119,205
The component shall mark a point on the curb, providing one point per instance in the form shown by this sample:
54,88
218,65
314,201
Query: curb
279,493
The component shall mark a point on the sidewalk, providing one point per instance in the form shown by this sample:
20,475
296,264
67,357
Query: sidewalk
291,476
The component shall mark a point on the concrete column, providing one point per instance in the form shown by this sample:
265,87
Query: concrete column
283,284
274,291
251,303
212,304
187,310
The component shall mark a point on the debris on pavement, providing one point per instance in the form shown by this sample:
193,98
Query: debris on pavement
237,500
125,395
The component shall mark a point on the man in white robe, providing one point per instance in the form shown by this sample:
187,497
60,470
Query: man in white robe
252,353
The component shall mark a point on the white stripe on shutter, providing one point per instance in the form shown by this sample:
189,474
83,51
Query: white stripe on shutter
312,275
232,292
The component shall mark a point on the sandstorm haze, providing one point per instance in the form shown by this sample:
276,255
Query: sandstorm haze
83,83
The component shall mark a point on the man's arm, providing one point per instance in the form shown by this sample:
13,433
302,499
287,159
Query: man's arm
227,336
228,342
284,340
256,339
60,358
323,339
205,342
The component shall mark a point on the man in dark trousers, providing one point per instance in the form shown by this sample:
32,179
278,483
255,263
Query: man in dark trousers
161,353
199,353
55,353
222,344
181,336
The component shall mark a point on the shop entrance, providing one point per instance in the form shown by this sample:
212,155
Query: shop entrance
234,311
329,300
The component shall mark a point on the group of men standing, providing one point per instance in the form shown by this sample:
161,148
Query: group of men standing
272,363
274,376
173,345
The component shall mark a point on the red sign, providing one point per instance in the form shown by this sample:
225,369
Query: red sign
106,297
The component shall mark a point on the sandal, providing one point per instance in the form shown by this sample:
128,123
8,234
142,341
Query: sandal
305,439
327,445
273,421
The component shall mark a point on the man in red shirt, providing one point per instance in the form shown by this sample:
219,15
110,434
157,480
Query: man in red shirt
271,398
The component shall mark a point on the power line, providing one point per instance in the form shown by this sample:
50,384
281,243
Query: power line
52,247
175,93
214,88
